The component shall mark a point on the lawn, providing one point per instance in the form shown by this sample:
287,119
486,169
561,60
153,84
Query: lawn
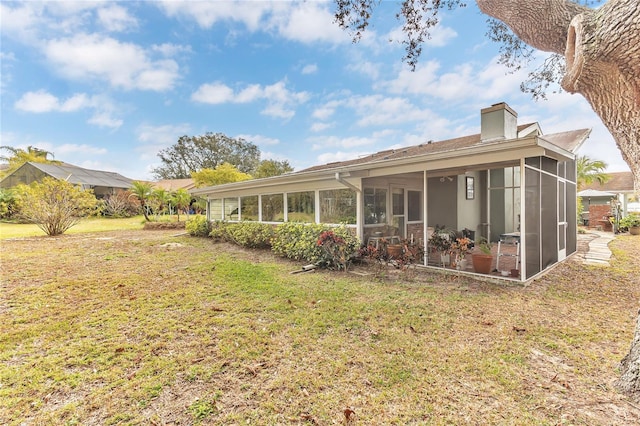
143,327
15,230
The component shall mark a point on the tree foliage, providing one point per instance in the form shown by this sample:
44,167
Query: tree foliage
181,200
194,153
54,205
224,173
269,168
16,157
142,191
595,51
590,171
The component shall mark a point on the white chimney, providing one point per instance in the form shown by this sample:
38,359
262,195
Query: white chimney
498,122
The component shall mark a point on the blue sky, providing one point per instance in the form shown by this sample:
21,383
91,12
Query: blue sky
107,85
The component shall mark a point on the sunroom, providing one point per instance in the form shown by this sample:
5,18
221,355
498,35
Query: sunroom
510,185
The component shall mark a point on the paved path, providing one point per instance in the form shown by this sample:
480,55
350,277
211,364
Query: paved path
598,252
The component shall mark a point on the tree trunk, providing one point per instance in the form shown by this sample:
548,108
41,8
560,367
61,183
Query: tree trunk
602,52
629,382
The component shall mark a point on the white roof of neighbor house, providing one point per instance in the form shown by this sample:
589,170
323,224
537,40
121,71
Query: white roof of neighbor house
595,193
80,176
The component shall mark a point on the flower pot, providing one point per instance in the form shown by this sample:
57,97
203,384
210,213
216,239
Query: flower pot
445,259
482,263
462,264
394,251
634,230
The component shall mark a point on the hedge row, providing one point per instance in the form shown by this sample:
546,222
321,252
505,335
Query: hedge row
296,241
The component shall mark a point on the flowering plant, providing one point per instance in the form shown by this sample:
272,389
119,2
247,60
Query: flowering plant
461,246
440,241
336,253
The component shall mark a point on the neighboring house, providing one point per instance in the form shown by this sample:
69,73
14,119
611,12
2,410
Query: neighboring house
174,184
508,180
618,188
103,183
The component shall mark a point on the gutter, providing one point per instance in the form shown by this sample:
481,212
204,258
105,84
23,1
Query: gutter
340,179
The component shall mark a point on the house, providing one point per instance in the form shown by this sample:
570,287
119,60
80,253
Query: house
619,188
103,183
508,182
174,184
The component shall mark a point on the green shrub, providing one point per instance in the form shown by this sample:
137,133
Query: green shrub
249,234
198,226
299,241
630,220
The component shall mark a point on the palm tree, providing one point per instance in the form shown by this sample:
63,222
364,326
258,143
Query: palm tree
18,156
160,198
590,171
181,199
142,191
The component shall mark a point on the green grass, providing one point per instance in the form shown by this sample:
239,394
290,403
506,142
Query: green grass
122,329
19,230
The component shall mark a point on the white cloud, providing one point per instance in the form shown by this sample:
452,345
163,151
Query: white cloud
440,36
122,65
319,127
70,148
43,102
214,93
37,102
207,14
105,119
366,68
326,111
465,81
116,18
280,100
20,22
305,22
319,143
309,22
170,49
155,138
260,140
310,69
163,135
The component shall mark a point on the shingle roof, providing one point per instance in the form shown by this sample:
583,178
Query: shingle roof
173,184
618,181
569,141
80,176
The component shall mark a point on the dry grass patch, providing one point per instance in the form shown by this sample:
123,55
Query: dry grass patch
140,327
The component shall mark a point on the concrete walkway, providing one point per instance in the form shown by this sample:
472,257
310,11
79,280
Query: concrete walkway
598,252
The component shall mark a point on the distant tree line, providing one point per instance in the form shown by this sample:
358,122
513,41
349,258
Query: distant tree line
214,158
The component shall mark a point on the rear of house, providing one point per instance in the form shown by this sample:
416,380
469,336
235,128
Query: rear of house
509,184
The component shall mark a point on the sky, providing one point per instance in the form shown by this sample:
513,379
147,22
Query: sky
106,85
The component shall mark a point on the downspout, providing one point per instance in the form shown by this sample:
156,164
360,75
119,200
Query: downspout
425,230
347,184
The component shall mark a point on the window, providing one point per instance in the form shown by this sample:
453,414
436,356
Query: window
375,205
300,206
414,200
273,208
249,207
231,209
338,206
215,206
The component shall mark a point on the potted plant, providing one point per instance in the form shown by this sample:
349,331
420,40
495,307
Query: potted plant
460,247
631,221
441,241
482,258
